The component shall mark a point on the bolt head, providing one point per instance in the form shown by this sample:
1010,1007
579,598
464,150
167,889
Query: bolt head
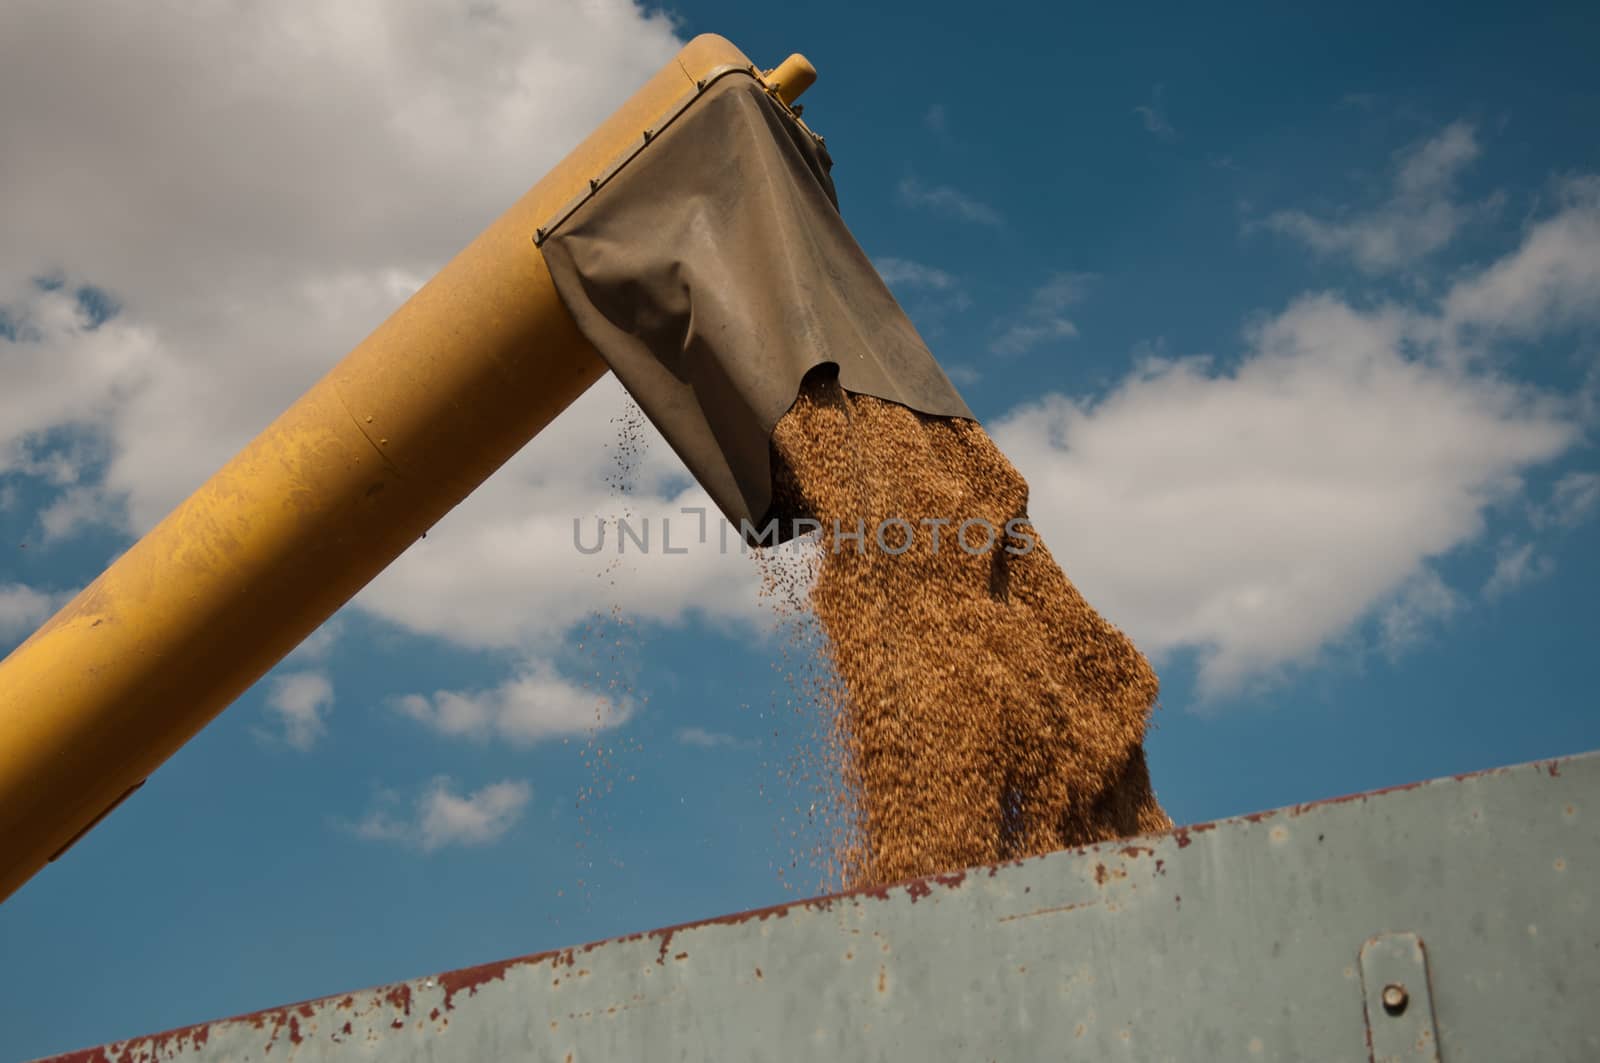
1395,998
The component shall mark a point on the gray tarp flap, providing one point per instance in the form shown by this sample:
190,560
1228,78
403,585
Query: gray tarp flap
714,271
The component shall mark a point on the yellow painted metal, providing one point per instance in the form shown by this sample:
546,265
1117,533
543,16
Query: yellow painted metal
406,426
792,77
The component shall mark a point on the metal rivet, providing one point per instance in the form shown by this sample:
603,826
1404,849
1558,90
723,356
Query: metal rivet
1395,998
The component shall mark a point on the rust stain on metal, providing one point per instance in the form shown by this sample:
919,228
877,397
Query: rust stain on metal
917,889
468,979
399,998
1302,809
1554,768
759,975
666,942
1104,874
158,1046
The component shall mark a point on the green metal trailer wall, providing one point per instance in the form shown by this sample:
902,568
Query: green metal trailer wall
1448,920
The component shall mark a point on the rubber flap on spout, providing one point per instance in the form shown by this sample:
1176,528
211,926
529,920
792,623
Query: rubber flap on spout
713,271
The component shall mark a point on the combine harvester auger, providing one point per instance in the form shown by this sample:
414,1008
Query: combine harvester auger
1450,920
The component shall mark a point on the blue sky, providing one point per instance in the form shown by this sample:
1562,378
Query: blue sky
1291,321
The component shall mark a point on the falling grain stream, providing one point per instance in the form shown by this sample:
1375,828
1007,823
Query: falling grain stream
986,712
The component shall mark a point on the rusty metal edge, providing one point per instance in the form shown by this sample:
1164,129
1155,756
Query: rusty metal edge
285,1018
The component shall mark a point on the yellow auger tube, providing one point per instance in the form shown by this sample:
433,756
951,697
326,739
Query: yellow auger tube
461,377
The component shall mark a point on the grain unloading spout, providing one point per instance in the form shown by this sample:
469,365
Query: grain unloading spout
463,375
711,269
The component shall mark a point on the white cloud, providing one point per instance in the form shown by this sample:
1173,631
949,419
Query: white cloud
1154,115
1573,501
928,293
442,817
254,225
24,608
1551,282
512,543
301,701
1026,335
62,371
899,272
701,738
945,200
319,644
76,509
537,704
1420,216
258,187
1044,318
252,233
1256,513
1515,566
1422,602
